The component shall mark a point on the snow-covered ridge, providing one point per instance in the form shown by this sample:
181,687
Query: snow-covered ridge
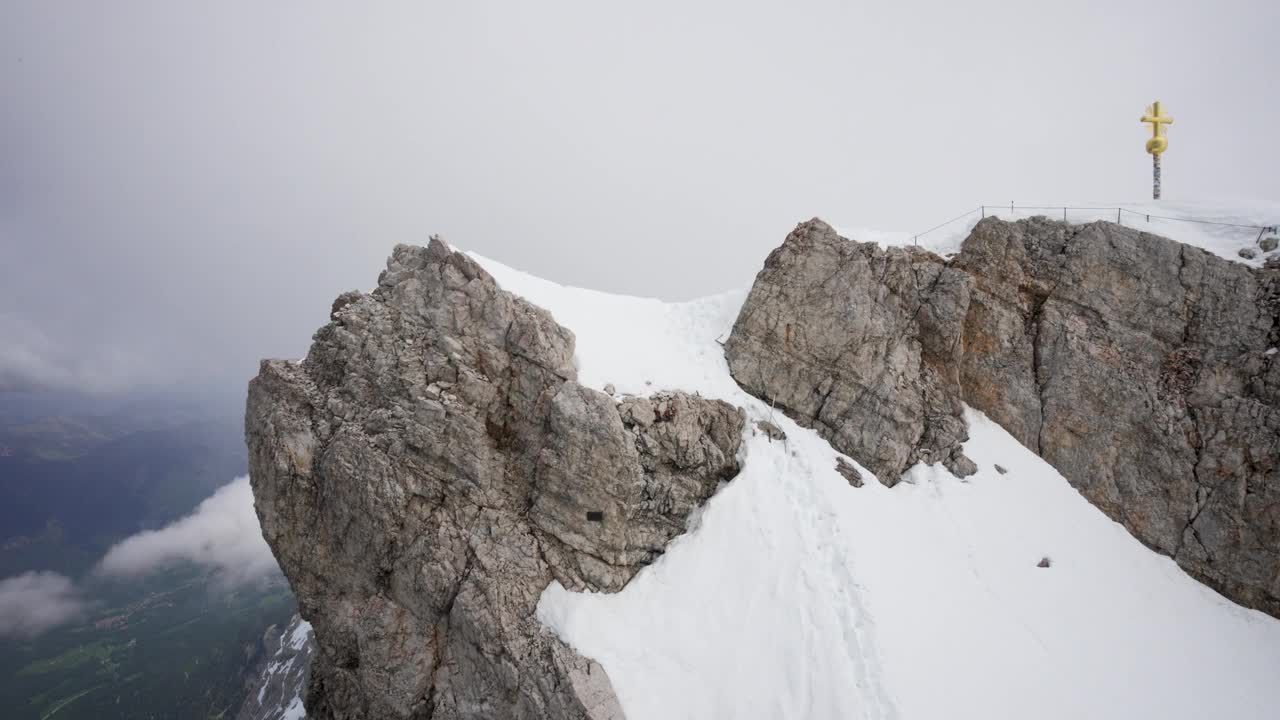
1221,228
798,596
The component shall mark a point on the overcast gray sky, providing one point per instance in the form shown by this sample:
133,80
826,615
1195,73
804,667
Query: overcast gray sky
184,187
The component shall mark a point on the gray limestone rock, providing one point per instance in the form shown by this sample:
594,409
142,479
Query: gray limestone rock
860,343
1132,363
1135,366
432,465
1248,253
960,465
771,431
1269,243
639,473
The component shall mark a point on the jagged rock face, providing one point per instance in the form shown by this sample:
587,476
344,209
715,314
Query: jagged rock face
650,463
860,343
1137,366
432,465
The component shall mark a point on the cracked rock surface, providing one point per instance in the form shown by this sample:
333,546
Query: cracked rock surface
859,342
1135,365
432,465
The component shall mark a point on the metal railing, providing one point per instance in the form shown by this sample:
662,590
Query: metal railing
1120,212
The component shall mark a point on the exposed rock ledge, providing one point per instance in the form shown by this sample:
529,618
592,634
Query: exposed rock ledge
1144,370
432,465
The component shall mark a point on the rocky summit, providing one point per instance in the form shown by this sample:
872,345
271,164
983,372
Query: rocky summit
1144,370
432,466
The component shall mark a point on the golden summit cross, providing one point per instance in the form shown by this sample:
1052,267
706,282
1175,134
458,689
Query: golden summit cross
1157,144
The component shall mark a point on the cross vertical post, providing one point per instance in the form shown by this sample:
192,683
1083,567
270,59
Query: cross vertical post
1157,144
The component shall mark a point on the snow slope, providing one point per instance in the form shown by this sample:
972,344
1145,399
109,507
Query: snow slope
795,595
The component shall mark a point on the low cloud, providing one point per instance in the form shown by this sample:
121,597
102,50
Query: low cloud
222,533
31,360
36,601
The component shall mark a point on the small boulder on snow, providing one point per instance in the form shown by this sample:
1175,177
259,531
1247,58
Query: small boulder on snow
771,431
960,465
850,473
